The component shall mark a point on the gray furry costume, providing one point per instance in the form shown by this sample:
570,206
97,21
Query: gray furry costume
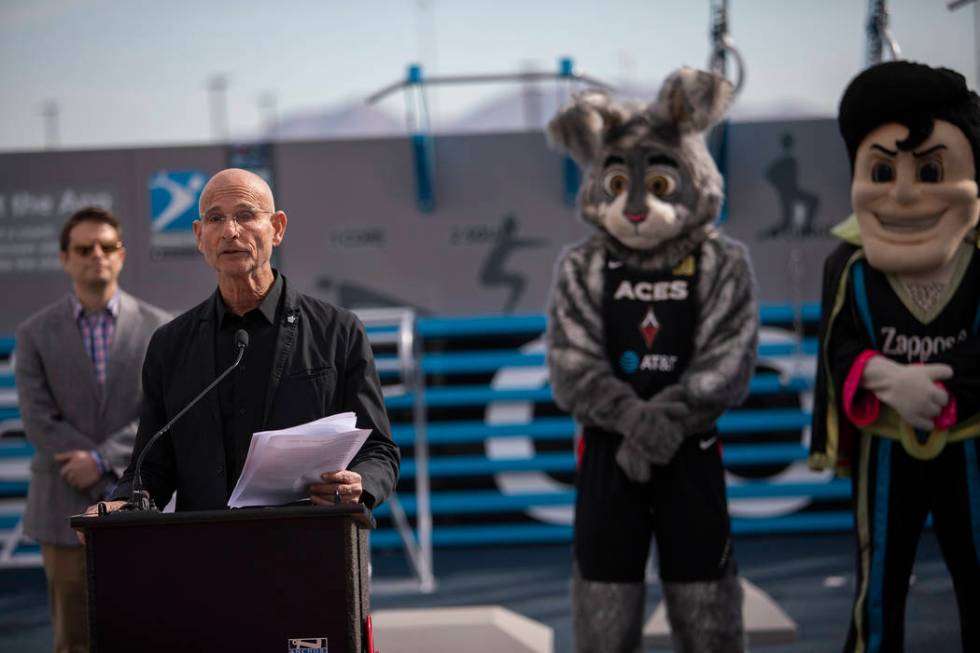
651,460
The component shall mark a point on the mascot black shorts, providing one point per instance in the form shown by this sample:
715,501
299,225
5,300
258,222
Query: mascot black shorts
684,504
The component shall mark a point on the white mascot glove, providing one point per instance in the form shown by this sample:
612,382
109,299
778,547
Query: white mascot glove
909,389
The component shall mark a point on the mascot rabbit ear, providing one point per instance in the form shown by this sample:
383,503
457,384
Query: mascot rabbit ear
580,126
693,100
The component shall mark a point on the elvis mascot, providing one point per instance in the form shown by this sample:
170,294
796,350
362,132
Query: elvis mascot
652,332
898,385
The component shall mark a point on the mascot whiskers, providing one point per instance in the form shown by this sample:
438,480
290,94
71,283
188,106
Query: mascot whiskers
652,334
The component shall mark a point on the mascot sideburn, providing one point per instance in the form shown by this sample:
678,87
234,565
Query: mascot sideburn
652,334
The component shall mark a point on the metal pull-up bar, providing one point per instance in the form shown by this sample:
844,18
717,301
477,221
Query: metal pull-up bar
440,80
418,119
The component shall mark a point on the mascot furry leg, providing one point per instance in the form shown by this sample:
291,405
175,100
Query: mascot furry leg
605,615
706,616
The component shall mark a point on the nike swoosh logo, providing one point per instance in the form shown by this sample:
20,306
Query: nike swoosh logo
705,444
615,264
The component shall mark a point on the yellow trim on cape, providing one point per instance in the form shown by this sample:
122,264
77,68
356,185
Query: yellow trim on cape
829,458
862,519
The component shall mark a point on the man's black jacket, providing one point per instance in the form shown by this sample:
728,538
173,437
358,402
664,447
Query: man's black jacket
322,365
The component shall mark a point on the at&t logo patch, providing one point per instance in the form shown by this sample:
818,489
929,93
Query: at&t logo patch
629,362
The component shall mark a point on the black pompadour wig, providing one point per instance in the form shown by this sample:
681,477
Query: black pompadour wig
914,95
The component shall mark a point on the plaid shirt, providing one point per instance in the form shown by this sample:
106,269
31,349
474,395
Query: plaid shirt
97,330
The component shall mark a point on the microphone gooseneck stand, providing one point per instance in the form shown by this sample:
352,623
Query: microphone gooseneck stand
140,499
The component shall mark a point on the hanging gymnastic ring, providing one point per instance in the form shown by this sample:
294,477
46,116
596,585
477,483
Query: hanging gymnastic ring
725,44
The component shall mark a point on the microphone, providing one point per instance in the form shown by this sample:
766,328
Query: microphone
140,499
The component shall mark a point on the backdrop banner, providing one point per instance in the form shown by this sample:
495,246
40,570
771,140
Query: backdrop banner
356,238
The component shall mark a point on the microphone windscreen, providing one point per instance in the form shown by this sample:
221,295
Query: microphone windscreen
241,338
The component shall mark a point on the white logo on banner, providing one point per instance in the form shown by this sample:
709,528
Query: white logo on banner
183,193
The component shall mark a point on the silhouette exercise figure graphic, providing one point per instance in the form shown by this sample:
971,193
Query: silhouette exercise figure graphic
492,273
798,207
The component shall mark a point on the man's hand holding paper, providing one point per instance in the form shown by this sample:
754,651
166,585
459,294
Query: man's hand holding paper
291,464
335,488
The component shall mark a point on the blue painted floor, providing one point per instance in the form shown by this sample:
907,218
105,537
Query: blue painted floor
533,581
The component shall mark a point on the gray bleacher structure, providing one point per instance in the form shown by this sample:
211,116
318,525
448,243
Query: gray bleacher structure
506,478
15,455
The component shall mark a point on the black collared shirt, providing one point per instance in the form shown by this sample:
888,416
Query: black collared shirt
241,396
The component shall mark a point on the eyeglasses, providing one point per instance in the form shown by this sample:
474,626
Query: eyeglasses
244,218
108,248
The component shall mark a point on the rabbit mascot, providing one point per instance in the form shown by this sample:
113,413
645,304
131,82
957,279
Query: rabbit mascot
652,333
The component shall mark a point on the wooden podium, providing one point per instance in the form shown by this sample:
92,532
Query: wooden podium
255,579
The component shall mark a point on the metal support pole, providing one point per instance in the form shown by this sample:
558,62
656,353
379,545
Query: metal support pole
722,45
878,35
269,110
217,94
718,62
571,175
418,542
423,150
52,135
410,356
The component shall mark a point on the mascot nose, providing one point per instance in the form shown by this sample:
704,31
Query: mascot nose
636,218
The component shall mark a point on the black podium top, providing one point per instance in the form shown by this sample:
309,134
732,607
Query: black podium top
358,513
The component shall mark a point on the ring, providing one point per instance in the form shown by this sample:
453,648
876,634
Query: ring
336,496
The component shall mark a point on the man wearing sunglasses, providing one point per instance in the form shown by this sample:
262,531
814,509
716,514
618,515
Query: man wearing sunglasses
77,368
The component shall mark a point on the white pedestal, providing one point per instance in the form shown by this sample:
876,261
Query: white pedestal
765,622
480,629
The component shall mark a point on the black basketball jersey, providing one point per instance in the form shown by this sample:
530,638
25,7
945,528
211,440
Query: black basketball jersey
649,317
907,334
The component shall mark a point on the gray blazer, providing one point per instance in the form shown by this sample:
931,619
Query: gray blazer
61,409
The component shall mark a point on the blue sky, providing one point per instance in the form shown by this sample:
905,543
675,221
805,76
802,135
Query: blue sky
135,72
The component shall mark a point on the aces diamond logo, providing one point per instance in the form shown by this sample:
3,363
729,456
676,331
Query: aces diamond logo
649,327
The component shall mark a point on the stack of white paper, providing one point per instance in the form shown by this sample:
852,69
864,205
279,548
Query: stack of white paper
280,464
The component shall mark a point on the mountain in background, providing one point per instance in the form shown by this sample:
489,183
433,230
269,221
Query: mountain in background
524,108
354,119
